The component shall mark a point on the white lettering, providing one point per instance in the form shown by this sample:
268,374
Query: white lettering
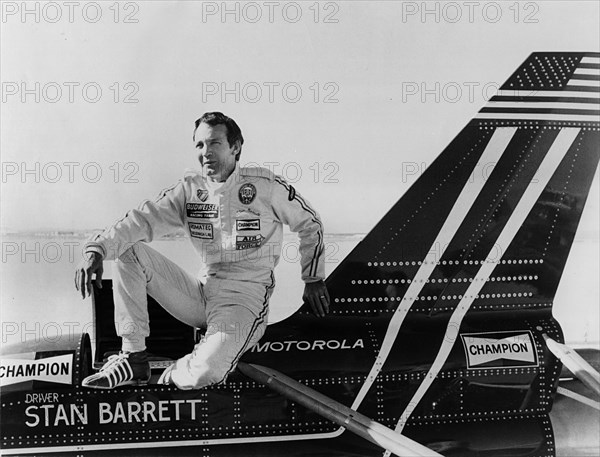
481,350
333,344
104,410
279,346
162,410
28,412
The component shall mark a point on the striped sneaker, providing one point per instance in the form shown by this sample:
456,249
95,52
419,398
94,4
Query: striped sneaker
124,369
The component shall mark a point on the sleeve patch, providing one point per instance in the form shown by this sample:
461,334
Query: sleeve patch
292,193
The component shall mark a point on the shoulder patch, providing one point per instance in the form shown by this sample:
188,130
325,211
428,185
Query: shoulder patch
292,193
257,172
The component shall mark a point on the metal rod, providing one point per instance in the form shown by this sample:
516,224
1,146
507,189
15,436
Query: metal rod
336,412
575,363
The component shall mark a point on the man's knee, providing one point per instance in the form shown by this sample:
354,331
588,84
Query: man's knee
217,375
209,373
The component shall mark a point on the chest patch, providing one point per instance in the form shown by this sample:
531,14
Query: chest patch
202,210
202,231
247,193
202,194
247,224
248,241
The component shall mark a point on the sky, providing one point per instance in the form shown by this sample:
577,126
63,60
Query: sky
348,101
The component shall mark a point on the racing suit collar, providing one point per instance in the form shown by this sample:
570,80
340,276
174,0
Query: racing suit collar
221,186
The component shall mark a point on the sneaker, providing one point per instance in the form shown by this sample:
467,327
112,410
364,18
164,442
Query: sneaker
124,369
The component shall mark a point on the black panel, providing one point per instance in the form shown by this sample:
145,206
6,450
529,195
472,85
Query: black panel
169,337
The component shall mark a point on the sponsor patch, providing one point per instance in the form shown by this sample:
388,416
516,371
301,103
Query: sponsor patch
57,369
248,241
494,349
202,194
292,193
202,210
203,231
247,224
293,345
247,193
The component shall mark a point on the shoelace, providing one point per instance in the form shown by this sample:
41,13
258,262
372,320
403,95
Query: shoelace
113,362
117,370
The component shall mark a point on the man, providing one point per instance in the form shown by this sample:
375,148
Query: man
234,218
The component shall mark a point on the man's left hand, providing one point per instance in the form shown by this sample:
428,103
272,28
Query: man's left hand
315,294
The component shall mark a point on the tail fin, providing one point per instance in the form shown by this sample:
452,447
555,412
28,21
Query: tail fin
494,216
463,270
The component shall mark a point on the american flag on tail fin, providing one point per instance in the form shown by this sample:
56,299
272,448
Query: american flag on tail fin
550,87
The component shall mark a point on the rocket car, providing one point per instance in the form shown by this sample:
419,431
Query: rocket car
437,338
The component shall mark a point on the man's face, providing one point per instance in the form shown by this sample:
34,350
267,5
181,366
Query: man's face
214,153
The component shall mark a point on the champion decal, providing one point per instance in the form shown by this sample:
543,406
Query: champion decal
499,349
57,369
247,224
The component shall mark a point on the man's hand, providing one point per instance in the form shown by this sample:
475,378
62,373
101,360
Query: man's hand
315,293
83,275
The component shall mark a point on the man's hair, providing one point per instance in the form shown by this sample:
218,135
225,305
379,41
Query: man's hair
234,133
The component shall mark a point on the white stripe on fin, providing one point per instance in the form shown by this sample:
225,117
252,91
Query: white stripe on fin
492,153
559,148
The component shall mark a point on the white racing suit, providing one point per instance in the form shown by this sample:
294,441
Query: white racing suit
237,230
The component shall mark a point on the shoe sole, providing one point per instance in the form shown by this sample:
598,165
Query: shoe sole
133,382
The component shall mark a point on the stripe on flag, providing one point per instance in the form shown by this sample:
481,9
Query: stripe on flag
592,60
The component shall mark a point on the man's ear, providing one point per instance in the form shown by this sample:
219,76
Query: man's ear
237,148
